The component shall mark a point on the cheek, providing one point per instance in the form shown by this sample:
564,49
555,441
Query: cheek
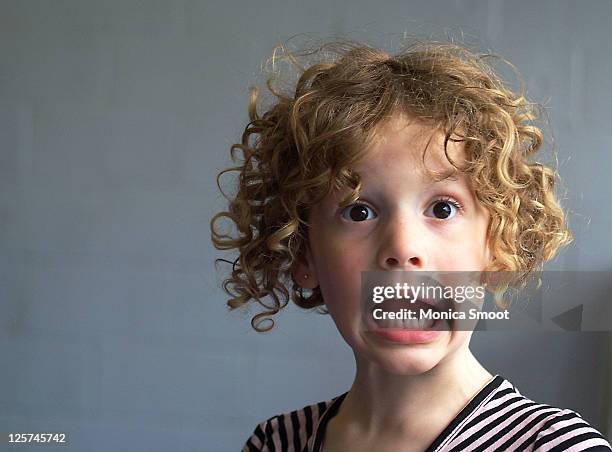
335,258
340,280
459,256
468,254
339,275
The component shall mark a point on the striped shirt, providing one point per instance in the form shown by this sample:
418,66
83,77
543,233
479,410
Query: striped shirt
498,418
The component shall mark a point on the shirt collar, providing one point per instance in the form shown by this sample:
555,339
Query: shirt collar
319,431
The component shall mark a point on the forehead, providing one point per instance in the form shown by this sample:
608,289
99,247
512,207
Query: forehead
413,147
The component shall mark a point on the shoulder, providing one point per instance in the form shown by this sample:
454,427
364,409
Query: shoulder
289,431
565,429
517,421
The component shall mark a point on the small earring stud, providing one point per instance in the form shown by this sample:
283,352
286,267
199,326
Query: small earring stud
306,276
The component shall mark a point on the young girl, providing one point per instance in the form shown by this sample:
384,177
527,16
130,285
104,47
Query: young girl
414,162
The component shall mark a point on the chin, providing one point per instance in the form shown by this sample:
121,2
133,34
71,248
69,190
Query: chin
404,360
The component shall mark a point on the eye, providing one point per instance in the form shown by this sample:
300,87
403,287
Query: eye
443,208
358,212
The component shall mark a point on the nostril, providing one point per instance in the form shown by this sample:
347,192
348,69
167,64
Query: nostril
392,261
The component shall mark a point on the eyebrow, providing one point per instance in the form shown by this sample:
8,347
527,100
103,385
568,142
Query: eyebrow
442,177
432,179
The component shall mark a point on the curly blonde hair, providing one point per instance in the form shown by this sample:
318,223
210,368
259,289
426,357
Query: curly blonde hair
304,144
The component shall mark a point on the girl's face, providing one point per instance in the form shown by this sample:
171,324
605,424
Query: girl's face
403,221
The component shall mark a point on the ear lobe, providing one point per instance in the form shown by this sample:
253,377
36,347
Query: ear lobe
303,272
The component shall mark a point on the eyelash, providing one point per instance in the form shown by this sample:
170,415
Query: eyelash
447,199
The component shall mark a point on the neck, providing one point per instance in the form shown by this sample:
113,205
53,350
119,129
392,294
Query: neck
380,403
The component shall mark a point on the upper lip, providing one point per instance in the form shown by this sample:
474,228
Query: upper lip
439,304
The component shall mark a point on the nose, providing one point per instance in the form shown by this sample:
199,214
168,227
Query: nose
403,246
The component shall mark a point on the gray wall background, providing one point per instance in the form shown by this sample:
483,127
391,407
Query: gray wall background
115,117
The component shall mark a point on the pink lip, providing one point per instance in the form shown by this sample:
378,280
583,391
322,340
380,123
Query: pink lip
403,336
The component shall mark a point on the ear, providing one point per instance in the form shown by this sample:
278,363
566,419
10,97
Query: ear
304,272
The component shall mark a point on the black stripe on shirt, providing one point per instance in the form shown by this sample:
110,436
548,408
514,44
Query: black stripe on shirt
486,414
514,439
565,445
260,434
269,433
556,434
295,422
251,446
308,416
502,433
282,431
529,441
